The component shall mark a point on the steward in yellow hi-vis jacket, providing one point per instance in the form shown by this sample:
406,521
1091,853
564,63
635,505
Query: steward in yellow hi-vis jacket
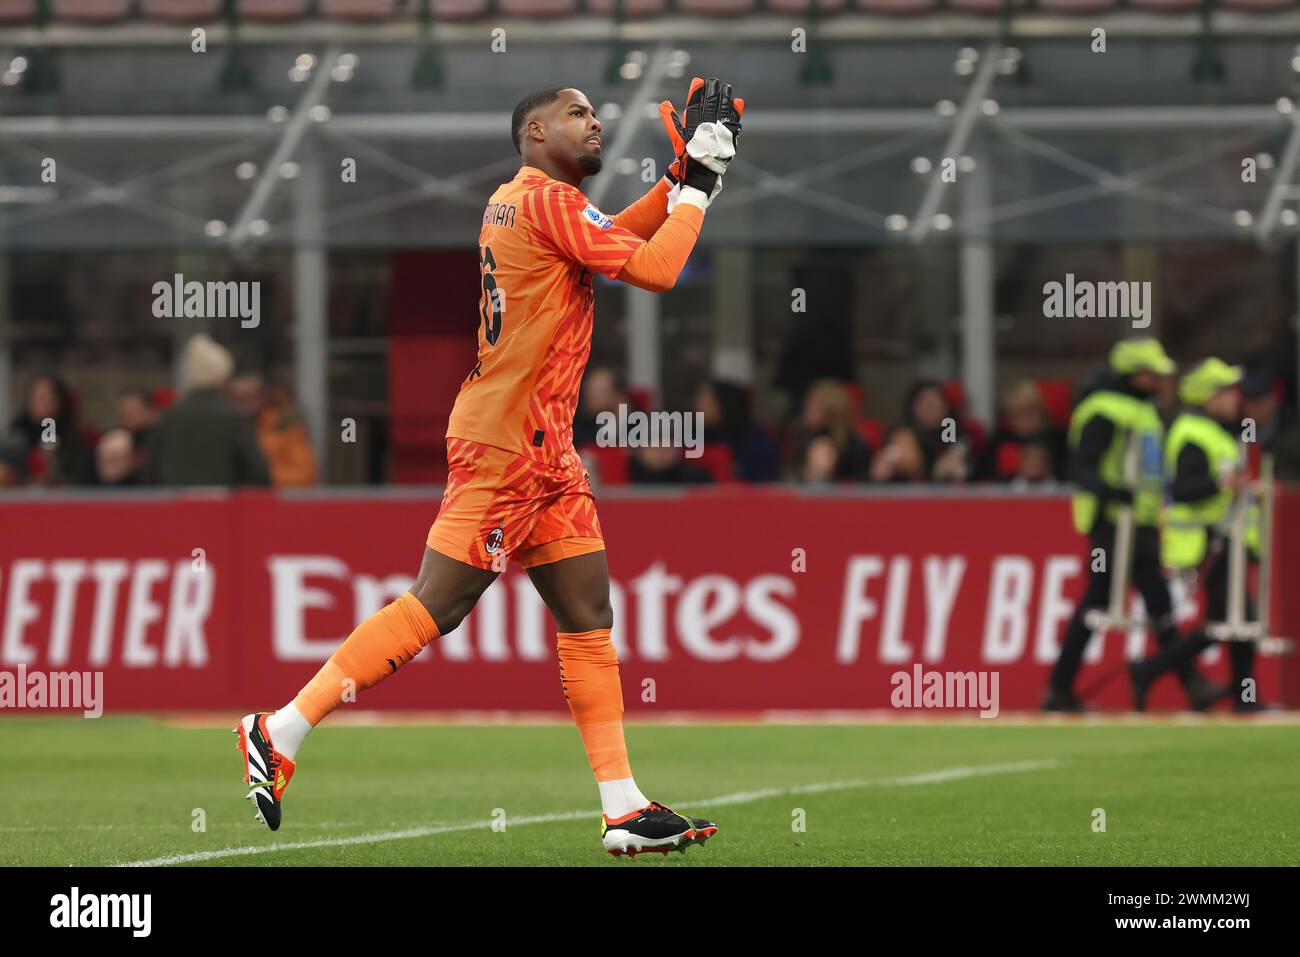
1204,461
1120,407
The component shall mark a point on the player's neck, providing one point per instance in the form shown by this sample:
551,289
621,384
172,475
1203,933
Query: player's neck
573,178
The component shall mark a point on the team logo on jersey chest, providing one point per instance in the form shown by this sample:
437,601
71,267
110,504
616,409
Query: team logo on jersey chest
495,539
598,219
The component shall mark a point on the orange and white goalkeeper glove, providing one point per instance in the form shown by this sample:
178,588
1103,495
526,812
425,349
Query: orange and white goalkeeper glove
703,137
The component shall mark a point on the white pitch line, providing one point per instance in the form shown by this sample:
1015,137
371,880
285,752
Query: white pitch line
738,797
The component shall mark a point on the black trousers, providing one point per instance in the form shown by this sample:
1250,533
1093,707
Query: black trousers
1241,654
1149,580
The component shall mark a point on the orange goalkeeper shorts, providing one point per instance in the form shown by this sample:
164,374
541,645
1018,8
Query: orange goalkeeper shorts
500,505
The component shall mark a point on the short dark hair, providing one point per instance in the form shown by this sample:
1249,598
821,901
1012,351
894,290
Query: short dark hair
525,106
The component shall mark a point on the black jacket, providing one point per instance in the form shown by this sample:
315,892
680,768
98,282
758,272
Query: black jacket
1095,439
205,440
1193,481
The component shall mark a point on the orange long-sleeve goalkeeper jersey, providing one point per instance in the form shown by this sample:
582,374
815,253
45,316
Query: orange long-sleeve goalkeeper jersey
540,242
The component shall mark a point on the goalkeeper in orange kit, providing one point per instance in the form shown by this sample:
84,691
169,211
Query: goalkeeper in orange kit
516,487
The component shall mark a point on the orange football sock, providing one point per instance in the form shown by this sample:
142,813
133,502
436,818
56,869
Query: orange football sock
379,646
589,676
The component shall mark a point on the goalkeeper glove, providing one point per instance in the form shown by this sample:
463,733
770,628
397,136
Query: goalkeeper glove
704,136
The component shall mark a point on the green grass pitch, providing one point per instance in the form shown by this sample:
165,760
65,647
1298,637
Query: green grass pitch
127,789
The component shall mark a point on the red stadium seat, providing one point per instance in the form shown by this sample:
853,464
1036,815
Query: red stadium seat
718,8
978,435
97,11
803,6
1008,460
631,8
855,396
17,11
955,393
898,7
641,398
357,9
613,464
871,433
983,7
458,9
538,8
1077,6
1166,6
1057,396
717,460
37,464
271,9
183,11
162,397
418,449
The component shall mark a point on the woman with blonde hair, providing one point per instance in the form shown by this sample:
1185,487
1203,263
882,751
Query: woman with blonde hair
828,413
1025,430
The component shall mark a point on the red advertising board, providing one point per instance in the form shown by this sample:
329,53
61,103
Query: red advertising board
725,600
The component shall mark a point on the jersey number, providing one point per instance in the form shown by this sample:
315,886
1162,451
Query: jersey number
493,305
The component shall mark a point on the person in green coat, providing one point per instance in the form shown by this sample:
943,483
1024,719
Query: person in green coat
1120,406
1203,458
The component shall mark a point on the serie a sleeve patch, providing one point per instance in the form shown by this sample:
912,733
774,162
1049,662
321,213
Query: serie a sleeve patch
598,219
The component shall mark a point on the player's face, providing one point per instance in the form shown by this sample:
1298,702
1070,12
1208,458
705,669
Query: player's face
575,132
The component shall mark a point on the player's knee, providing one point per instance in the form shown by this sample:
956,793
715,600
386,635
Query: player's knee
603,613
594,615
447,611
453,613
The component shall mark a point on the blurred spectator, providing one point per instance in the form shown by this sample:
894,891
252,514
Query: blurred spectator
203,439
1025,422
247,391
1276,359
821,461
1277,429
115,459
952,464
1036,462
664,465
901,460
57,453
280,430
828,413
136,414
724,407
602,391
943,440
13,461
930,423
